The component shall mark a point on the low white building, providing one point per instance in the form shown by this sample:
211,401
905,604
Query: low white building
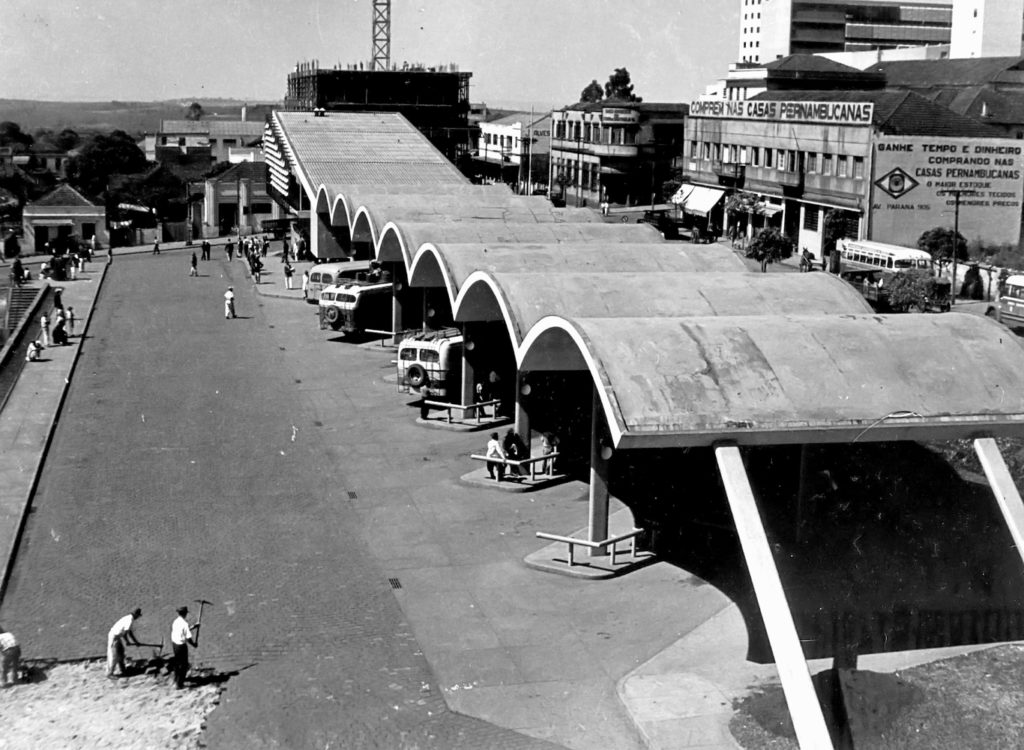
516,146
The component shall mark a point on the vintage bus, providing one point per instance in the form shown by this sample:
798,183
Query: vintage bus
356,306
430,364
322,275
866,255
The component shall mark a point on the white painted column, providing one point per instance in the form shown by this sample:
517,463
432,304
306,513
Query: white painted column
597,520
804,708
468,389
522,414
1005,490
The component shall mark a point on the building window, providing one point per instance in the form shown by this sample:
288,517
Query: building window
780,160
791,161
755,156
858,167
743,154
811,218
768,156
826,164
694,153
716,151
844,166
812,162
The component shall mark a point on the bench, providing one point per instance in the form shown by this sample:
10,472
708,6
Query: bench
529,462
465,407
611,542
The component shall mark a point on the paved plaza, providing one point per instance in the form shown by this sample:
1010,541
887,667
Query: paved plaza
364,596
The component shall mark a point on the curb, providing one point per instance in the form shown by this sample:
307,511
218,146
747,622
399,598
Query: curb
54,420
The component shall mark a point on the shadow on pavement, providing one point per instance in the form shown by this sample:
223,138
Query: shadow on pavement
892,550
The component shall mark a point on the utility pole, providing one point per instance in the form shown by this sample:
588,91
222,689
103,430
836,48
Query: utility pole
579,163
956,193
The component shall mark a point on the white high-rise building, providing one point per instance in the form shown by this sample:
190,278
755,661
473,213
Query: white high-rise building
750,31
987,28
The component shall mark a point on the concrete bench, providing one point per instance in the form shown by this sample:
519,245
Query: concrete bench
611,542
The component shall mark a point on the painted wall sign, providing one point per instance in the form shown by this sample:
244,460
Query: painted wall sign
912,175
830,113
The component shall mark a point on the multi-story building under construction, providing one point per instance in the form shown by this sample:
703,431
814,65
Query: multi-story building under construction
435,100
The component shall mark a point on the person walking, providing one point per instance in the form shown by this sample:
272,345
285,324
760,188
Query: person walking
44,329
156,247
58,298
229,249
229,303
10,658
71,321
305,284
193,266
183,635
495,451
205,255
120,635
288,273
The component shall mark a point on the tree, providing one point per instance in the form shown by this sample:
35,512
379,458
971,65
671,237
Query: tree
12,135
838,224
194,112
909,289
592,93
103,156
939,243
620,87
768,246
67,139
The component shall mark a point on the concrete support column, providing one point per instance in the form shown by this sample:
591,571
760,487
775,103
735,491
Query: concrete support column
396,310
467,392
522,414
597,520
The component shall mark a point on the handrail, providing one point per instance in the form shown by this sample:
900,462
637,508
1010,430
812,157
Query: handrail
611,542
520,462
448,406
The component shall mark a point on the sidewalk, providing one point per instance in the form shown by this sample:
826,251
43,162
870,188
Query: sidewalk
32,411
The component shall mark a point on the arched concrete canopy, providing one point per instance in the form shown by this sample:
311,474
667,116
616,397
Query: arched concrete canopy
522,299
351,199
399,241
450,265
370,217
669,382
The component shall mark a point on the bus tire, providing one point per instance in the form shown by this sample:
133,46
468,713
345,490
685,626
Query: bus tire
416,376
332,315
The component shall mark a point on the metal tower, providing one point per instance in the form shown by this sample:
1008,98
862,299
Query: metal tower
381,35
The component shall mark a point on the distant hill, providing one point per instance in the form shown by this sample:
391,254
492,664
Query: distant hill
135,118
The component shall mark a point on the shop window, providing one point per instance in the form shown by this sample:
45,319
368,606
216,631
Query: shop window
812,162
858,167
811,218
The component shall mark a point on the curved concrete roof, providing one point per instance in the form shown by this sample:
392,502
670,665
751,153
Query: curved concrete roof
522,299
370,218
790,379
450,265
399,242
346,200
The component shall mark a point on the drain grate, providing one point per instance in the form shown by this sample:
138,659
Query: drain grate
395,583
351,495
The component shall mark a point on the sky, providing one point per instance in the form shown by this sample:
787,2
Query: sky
541,51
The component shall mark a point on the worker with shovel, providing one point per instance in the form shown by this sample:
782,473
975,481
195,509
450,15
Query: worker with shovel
120,635
184,635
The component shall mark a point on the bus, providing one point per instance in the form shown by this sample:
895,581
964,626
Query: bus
322,275
356,306
430,363
866,255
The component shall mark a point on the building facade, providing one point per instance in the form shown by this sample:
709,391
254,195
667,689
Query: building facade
236,202
60,217
884,160
787,27
206,141
987,28
613,150
515,149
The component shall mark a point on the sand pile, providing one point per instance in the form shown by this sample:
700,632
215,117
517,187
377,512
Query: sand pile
76,706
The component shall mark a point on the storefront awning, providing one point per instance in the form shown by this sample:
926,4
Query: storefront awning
768,210
697,199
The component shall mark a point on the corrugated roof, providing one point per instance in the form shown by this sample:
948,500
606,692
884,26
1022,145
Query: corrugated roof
523,118
899,112
810,64
63,195
220,128
363,148
959,72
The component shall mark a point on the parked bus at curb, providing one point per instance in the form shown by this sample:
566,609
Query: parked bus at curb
356,306
322,275
430,364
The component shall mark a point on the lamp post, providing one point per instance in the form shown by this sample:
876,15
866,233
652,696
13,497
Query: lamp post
956,193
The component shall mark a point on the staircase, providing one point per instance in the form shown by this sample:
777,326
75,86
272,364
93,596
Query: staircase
19,300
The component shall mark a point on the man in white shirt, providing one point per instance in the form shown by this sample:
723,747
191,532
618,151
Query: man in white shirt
496,451
118,636
10,658
229,302
182,636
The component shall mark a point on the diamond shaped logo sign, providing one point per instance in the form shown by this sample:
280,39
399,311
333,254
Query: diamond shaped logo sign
896,183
